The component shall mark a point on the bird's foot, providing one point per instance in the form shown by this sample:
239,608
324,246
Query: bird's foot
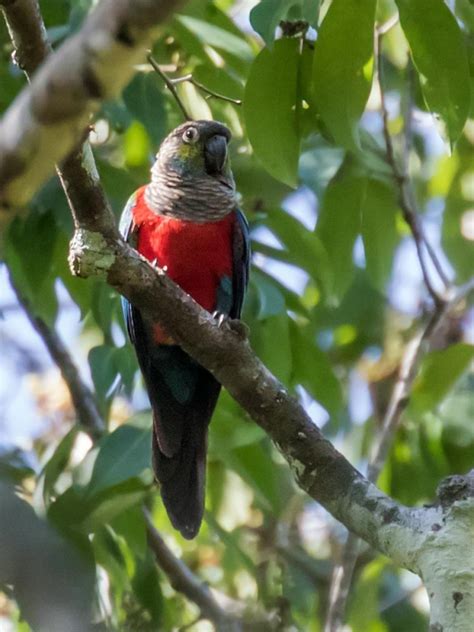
236,325
155,264
220,317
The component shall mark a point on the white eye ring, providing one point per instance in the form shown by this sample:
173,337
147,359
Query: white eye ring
190,135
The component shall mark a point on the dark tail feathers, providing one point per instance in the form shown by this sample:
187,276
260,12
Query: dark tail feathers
182,478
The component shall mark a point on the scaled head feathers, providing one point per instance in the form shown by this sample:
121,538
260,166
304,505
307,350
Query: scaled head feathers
191,178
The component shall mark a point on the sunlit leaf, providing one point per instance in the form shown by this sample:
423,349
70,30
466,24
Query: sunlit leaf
439,54
342,70
57,463
124,454
439,371
379,233
312,369
339,223
270,110
217,37
303,247
271,342
144,100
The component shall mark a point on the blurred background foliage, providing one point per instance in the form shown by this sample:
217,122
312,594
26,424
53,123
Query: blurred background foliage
335,294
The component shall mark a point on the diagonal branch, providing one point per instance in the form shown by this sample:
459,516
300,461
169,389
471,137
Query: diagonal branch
97,249
405,193
343,572
47,120
82,398
226,613
82,187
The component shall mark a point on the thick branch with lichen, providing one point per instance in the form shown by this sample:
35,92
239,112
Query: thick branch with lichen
98,249
320,470
49,117
411,537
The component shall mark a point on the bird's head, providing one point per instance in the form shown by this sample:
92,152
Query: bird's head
197,147
192,170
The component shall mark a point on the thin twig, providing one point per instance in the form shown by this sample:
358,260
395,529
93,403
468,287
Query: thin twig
405,194
385,27
227,614
414,351
172,83
82,398
407,146
171,87
190,79
342,575
85,195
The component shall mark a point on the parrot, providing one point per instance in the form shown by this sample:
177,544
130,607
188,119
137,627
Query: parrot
187,221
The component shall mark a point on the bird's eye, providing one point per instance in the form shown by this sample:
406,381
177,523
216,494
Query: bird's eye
191,135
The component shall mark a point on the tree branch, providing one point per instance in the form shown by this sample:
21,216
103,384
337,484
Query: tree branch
97,249
82,188
47,119
343,572
82,398
320,470
172,83
406,196
226,613
27,33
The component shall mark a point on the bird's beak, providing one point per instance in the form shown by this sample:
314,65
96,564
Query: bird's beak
215,154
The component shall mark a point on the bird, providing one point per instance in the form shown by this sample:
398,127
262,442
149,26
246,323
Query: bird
187,221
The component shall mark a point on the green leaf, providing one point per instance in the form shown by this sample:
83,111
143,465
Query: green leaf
230,429
254,464
136,145
124,454
312,369
379,232
270,110
303,247
219,80
131,526
455,237
343,65
267,14
217,37
339,223
271,342
103,369
271,301
147,587
439,372
57,463
51,582
144,100
29,252
440,57
457,413
364,607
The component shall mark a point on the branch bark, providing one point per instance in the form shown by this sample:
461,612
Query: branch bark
48,118
82,187
97,249
406,535
227,614
83,400
343,572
